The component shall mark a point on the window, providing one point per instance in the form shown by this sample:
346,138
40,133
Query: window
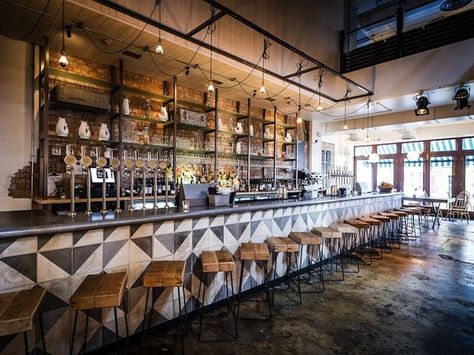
445,145
441,177
468,144
387,149
362,151
413,177
385,170
469,179
412,147
364,174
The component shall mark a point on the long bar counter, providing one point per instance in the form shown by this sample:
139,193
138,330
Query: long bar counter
59,252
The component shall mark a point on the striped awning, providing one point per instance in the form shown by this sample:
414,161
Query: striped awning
412,147
414,163
470,160
468,143
445,145
362,151
387,149
442,161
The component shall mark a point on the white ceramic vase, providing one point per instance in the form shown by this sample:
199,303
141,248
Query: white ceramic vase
62,129
104,133
84,130
238,148
163,114
251,130
239,129
125,106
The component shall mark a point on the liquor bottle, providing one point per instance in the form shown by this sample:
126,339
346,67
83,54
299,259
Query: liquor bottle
172,188
159,188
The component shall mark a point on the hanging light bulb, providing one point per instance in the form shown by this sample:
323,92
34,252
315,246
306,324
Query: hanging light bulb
374,158
263,91
159,48
63,62
299,119
345,127
210,88
319,108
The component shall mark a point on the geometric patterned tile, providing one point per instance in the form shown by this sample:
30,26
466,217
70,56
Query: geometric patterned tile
23,264
21,246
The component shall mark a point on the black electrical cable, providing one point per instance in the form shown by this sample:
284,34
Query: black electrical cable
32,29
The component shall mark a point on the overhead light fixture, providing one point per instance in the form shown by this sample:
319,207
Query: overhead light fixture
319,108
422,103
159,48
263,90
265,56
461,97
413,155
320,85
63,62
210,30
451,5
374,158
210,88
345,108
298,118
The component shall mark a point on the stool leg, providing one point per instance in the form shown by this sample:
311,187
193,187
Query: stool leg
321,274
85,335
267,289
42,332
180,319
202,304
299,285
73,333
240,287
274,257
25,340
117,336
125,311
144,313
234,315
185,311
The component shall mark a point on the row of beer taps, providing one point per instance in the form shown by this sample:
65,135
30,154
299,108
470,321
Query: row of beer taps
133,167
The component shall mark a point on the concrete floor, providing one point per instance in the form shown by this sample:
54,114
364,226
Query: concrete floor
418,300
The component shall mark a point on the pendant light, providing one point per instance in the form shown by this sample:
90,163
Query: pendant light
63,62
298,114
159,47
373,157
265,56
345,107
320,84
210,31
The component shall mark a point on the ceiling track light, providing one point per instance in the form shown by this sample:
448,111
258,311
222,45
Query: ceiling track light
63,62
422,103
461,96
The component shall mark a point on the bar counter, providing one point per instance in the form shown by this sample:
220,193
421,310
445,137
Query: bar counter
58,252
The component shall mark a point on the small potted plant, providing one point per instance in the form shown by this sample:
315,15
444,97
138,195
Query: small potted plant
385,187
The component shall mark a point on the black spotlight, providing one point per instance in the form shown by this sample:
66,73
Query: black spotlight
451,5
462,98
422,106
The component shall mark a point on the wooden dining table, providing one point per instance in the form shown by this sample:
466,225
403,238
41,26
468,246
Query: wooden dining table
433,202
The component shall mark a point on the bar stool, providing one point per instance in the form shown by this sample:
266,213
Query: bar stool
18,311
97,292
374,236
256,252
416,222
385,225
402,225
393,228
212,262
310,240
333,238
362,236
349,243
163,274
408,220
290,248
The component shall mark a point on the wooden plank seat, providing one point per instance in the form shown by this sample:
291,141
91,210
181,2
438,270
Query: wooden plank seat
99,291
18,310
344,228
254,251
217,261
306,238
164,273
282,245
327,232
399,213
390,215
369,220
357,223
380,218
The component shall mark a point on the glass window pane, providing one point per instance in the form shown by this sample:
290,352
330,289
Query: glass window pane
385,171
412,147
468,143
413,178
469,182
387,149
445,145
441,176
364,174
362,151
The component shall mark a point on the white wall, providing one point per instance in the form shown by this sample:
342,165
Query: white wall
15,116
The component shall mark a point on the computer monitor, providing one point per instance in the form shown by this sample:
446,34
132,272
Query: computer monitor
97,177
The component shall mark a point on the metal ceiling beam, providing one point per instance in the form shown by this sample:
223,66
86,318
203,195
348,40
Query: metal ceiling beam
284,44
302,72
205,24
151,22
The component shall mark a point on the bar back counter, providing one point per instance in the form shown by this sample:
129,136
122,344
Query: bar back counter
59,252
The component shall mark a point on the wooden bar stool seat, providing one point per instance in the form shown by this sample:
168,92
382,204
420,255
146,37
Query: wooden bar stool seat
256,252
213,261
374,235
18,311
332,237
349,236
163,274
363,229
383,219
369,220
290,248
392,216
356,223
99,291
400,213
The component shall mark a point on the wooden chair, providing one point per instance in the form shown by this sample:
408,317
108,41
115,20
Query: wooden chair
290,248
460,207
18,311
212,262
163,274
255,252
95,292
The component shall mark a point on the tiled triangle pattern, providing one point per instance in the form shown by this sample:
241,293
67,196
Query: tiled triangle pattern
59,262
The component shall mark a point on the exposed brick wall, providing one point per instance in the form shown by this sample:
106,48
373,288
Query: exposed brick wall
20,183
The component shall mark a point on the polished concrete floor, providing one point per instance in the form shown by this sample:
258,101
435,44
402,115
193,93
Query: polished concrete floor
418,300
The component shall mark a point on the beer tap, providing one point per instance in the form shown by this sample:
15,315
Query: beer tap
130,167
70,161
153,165
115,164
101,163
140,164
163,166
86,162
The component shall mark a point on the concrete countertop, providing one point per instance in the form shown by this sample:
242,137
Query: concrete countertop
27,223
